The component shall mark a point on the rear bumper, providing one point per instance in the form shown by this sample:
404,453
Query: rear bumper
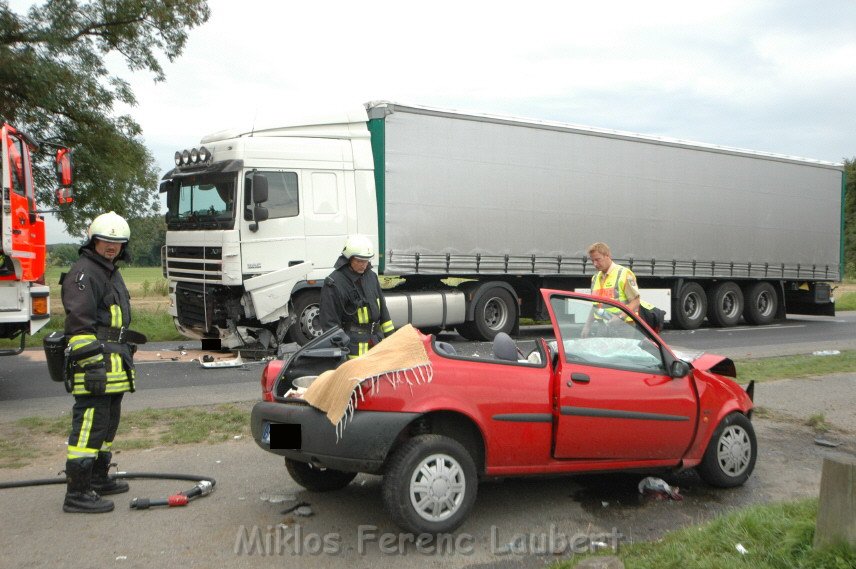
364,446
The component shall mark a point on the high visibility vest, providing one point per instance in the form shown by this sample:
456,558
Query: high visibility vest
611,287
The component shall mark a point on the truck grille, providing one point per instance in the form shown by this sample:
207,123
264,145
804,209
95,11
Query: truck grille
198,264
197,306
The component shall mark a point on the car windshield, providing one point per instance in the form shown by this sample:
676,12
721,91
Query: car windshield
202,202
600,334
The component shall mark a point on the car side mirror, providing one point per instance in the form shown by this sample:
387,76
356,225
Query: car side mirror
679,368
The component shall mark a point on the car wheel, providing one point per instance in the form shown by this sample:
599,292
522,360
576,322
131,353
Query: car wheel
689,307
731,453
725,304
430,485
762,303
307,313
317,479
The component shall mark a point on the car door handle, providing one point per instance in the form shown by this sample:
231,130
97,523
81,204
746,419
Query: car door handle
580,378
292,263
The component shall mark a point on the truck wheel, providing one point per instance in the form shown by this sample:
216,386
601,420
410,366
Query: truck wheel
689,307
731,453
307,312
317,479
762,303
430,485
725,304
495,312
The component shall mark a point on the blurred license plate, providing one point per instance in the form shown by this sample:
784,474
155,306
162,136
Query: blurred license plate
281,436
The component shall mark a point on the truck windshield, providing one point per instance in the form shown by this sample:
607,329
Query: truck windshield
202,202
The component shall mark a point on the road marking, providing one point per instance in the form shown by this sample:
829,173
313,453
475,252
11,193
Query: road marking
747,328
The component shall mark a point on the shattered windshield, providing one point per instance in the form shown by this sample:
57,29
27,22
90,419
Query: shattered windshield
202,202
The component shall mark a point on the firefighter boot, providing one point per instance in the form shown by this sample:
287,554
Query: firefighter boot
101,480
79,496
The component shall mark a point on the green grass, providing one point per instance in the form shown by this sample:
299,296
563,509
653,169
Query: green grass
846,301
776,536
138,430
793,367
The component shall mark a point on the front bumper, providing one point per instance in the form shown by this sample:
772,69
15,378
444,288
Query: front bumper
364,446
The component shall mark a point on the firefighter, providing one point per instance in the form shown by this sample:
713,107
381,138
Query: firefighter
352,298
100,356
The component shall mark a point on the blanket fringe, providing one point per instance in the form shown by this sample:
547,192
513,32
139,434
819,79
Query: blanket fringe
420,375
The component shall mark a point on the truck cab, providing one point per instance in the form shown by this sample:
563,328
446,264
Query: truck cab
24,297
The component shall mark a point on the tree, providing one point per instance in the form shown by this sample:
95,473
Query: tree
54,84
148,235
850,218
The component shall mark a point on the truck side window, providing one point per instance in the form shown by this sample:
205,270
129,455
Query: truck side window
16,163
282,194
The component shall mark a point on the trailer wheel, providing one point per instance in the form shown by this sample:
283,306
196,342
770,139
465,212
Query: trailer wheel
762,303
731,453
495,312
307,313
689,307
317,479
725,304
430,485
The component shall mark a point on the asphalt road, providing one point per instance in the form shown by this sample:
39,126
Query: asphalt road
169,374
515,523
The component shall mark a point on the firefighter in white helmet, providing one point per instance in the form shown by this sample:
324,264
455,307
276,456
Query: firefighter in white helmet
352,298
100,353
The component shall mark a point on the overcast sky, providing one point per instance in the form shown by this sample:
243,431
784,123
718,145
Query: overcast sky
775,76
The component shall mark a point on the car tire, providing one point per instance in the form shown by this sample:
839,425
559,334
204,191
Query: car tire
731,453
761,303
307,314
725,304
689,307
430,485
318,479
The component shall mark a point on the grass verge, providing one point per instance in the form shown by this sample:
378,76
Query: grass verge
775,536
23,440
794,367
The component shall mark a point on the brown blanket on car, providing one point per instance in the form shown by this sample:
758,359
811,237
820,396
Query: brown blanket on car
399,358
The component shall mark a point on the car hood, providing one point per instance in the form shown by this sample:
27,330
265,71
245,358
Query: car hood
704,361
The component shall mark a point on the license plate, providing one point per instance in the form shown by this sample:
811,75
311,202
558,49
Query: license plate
282,435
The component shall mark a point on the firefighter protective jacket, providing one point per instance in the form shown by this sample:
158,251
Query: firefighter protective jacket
94,296
355,302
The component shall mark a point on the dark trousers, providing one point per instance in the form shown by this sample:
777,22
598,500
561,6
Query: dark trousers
94,421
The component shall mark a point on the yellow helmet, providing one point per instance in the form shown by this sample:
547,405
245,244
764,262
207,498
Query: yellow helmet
358,246
110,227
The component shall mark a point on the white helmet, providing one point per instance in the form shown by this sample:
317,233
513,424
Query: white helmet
110,227
358,246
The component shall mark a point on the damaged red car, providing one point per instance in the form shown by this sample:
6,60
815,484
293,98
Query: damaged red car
608,394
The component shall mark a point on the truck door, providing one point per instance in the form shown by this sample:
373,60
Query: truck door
23,229
325,216
615,401
279,241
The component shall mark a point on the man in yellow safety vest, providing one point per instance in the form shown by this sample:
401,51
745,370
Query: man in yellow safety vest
614,282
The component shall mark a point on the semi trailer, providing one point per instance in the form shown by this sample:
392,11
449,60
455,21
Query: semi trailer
473,214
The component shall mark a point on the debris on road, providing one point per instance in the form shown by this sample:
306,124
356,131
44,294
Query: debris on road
820,441
658,488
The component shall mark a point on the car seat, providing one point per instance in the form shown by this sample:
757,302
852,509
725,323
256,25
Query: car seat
504,348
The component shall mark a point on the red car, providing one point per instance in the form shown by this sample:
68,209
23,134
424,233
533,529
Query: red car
607,395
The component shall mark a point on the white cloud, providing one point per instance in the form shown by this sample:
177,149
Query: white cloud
764,75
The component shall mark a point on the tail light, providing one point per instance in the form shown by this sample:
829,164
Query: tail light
269,375
40,306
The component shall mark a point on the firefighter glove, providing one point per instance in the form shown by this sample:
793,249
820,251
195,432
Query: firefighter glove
95,378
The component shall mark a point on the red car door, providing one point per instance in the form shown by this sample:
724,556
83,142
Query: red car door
615,399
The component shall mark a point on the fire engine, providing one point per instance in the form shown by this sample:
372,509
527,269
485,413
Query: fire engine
24,296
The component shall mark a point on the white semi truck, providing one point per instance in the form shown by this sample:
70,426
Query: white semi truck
473,214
